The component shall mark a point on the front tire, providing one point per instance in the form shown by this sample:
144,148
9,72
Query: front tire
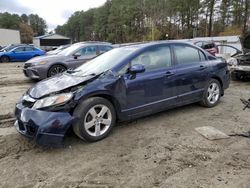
96,118
56,69
212,94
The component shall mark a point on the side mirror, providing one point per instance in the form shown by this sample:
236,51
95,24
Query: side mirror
138,68
76,55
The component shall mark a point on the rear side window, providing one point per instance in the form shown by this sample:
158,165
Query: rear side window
29,49
157,58
186,54
103,49
19,49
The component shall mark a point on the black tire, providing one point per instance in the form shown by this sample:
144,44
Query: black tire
82,113
205,101
56,69
5,59
236,76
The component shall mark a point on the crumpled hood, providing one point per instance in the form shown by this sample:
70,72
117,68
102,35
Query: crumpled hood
55,84
46,58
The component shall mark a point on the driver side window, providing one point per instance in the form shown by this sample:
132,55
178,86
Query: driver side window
158,58
88,51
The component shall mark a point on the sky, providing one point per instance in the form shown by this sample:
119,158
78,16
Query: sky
54,12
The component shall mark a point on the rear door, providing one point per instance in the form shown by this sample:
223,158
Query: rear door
192,72
29,53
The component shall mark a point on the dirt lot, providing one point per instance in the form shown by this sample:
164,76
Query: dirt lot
162,150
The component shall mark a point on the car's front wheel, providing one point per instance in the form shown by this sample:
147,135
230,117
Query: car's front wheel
96,118
212,93
56,69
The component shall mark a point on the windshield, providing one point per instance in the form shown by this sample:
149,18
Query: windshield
8,48
105,61
69,50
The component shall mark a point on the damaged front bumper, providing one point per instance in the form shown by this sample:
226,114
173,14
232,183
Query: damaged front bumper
47,128
35,72
240,70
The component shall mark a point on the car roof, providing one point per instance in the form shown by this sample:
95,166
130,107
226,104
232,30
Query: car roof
154,43
92,42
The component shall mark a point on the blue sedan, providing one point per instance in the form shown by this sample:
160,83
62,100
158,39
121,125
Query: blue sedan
20,53
123,84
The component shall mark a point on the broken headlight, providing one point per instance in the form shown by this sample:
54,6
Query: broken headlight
53,101
232,61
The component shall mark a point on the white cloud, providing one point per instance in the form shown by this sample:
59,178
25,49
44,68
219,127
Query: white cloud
55,12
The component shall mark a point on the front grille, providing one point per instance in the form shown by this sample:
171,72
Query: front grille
21,126
29,129
27,104
27,65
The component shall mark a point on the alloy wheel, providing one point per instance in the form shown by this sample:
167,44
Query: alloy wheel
97,120
56,70
213,93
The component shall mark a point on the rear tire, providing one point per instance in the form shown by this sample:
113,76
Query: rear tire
212,94
5,59
96,118
56,69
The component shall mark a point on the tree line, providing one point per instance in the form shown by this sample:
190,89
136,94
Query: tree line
120,21
28,25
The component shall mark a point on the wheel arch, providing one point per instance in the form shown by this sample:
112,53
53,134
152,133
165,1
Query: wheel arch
221,83
110,98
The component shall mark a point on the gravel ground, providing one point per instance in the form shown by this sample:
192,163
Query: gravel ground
161,150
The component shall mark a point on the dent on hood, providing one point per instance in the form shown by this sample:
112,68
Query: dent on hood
56,84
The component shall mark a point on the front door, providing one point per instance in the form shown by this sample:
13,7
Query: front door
154,89
86,54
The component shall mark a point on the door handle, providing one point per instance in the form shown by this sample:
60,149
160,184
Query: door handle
169,74
202,67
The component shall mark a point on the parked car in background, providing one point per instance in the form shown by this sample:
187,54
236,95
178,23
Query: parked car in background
209,46
59,49
19,52
11,46
123,84
69,58
240,62
240,67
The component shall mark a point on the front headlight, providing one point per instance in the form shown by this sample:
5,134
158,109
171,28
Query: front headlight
232,61
53,101
42,62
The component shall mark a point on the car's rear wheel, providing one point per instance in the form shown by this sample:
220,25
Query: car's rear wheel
96,118
56,69
212,93
5,59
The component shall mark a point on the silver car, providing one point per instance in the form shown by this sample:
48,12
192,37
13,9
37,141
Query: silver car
70,58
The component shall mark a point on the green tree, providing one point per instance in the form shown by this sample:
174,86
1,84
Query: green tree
37,24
